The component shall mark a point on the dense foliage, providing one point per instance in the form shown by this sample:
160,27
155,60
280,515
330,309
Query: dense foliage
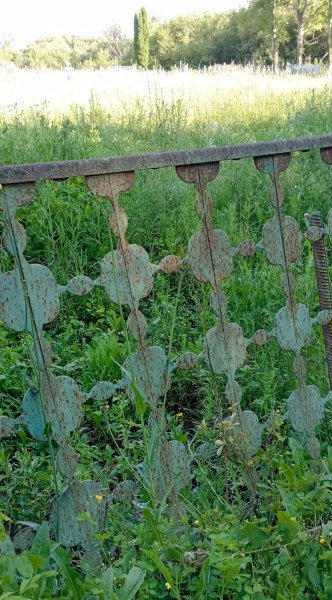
141,39
267,32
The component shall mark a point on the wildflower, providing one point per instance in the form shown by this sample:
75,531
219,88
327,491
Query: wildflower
168,586
196,522
242,554
180,414
293,519
322,540
99,498
330,533
104,406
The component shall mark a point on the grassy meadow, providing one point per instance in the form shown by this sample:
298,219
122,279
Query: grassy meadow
232,542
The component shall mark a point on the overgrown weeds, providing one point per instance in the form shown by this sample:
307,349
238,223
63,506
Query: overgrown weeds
230,543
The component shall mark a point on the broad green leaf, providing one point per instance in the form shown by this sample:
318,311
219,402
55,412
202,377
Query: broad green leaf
254,534
313,573
36,582
160,565
132,584
41,544
24,566
37,561
139,400
288,525
172,554
108,583
61,558
153,524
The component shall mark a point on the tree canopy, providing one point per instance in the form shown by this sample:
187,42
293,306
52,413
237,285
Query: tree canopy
267,32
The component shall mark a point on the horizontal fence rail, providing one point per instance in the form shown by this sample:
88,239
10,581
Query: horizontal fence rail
121,164
30,299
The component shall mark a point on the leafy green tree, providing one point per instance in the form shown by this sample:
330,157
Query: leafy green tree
7,53
270,20
301,9
51,52
141,39
135,36
117,43
88,53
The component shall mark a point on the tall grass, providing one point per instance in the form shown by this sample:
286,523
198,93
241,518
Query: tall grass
68,231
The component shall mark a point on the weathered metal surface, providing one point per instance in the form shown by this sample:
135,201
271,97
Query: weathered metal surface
326,154
322,278
29,299
128,276
225,346
293,325
122,164
77,513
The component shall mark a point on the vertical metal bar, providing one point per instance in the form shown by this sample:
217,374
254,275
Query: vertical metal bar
323,286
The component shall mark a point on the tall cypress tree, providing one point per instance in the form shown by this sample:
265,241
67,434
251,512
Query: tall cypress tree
141,39
135,36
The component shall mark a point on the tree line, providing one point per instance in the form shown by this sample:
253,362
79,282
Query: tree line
267,32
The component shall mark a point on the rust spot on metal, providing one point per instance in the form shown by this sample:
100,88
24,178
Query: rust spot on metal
170,264
260,337
326,154
247,248
198,174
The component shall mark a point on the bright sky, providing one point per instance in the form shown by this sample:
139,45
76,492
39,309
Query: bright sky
27,20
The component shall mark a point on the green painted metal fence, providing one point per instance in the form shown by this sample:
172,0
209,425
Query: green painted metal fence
30,299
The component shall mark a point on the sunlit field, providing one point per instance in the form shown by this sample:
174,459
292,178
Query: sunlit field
234,542
58,90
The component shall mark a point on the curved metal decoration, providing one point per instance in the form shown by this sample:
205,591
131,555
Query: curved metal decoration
29,298
127,277
53,409
282,243
210,258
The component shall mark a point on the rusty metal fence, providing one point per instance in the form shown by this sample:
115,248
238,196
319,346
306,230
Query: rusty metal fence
30,299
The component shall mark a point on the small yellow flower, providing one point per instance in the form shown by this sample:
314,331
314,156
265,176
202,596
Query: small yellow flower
168,586
104,406
322,540
99,498
293,519
242,554
196,522
330,532
180,414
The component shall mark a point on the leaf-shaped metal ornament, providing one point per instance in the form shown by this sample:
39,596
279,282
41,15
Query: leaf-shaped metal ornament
78,513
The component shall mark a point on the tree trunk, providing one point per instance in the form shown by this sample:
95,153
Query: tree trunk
301,10
275,43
